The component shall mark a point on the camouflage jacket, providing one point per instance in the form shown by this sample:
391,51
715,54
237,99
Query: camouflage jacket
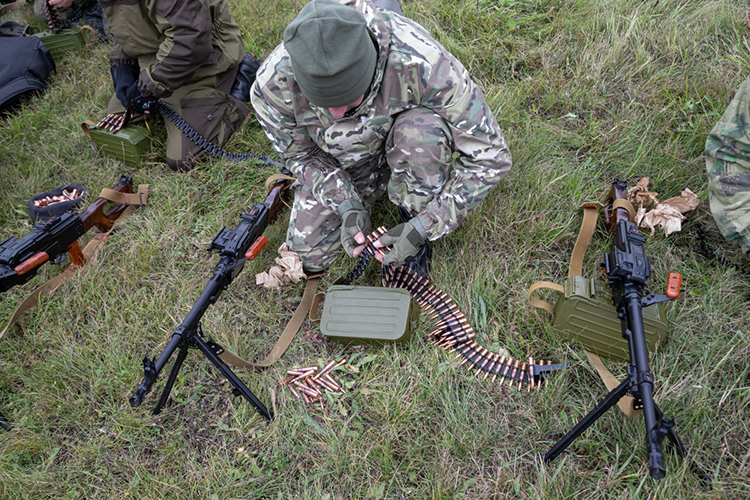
175,42
413,70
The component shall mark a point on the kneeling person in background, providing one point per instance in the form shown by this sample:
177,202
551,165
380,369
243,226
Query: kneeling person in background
184,53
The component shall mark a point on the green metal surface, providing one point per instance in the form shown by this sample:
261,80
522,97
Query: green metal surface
130,144
586,313
62,43
368,315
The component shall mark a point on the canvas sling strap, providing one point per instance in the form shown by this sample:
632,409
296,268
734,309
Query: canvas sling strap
133,201
588,225
311,286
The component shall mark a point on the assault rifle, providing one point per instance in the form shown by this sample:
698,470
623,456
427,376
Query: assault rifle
628,269
235,248
20,260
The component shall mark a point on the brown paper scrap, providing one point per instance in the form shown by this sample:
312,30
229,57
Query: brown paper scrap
288,269
668,213
640,196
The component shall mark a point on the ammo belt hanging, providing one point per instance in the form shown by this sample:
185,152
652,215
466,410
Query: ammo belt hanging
453,331
205,144
56,22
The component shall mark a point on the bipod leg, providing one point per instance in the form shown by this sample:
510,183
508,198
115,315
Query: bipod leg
4,423
239,386
608,402
172,376
665,427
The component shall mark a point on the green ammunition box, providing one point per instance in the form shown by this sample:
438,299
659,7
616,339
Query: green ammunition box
586,313
368,315
62,43
130,144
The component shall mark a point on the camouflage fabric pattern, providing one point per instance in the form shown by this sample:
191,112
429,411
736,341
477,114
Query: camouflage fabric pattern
174,42
728,166
416,177
332,158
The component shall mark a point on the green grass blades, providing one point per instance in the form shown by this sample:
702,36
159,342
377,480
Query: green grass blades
585,91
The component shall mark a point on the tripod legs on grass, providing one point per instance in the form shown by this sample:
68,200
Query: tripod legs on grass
239,387
608,402
664,429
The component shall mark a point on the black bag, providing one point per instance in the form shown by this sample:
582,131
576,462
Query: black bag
25,72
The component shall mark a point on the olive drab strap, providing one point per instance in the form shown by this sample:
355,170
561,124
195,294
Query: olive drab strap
287,335
588,225
89,252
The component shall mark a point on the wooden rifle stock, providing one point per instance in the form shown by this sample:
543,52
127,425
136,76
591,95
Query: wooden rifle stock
20,259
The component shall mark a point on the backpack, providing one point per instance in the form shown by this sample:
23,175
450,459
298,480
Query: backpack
27,71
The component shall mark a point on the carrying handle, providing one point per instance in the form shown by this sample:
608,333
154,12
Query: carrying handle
314,307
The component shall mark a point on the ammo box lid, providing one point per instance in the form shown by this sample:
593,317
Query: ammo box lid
130,144
62,43
368,315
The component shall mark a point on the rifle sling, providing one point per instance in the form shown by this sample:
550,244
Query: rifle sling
89,252
286,336
588,225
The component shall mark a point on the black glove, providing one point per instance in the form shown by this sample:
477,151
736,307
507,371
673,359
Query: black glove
140,102
405,239
124,75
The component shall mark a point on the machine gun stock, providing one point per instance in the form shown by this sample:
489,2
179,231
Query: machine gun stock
20,259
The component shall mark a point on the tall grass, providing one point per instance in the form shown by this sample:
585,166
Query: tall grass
585,91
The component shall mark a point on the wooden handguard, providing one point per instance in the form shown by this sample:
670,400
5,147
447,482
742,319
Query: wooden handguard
94,215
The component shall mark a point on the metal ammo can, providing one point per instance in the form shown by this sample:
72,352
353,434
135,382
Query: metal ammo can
366,314
585,312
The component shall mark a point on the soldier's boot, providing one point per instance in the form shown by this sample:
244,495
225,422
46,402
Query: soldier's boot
420,263
245,77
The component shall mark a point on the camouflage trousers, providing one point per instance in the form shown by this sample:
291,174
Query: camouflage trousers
414,168
208,108
728,166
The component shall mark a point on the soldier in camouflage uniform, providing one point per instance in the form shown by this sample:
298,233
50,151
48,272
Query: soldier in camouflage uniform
728,166
185,53
361,101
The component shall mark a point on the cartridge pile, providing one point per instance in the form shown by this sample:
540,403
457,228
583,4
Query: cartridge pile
309,383
64,196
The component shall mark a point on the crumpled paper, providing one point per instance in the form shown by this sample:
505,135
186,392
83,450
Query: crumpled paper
288,269
667,214
640,196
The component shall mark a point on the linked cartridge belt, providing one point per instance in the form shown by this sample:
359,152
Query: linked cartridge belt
452,330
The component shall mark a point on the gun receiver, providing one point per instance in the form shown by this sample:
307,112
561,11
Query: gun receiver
235,247
20,259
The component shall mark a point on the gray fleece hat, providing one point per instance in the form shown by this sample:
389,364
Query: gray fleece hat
332,53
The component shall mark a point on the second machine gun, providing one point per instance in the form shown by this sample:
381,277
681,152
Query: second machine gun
235,247
628,270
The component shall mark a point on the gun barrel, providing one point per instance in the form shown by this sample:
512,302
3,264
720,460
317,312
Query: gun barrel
645,381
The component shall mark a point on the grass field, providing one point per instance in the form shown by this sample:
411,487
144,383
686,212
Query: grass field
585,91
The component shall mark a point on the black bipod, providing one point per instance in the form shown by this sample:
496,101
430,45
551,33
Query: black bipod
628,269
186,339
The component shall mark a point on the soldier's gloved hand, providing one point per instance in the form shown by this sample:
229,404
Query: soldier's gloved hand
124,75
405,239
140,102
354,220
